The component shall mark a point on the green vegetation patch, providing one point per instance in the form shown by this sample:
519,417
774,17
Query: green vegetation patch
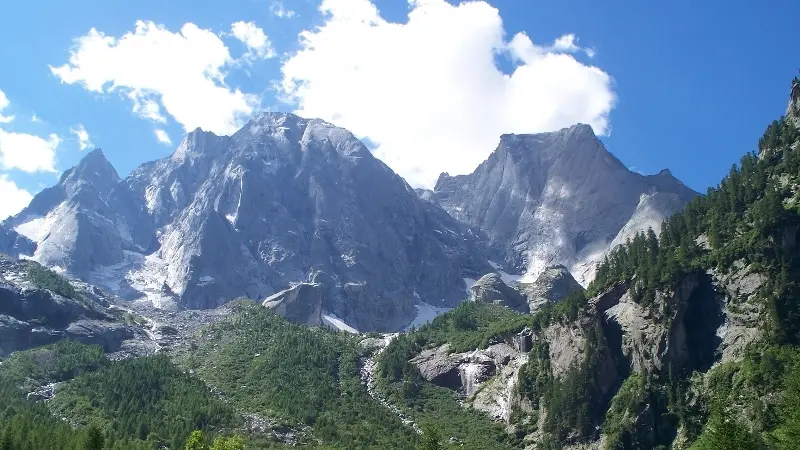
54,363
148,399
265,365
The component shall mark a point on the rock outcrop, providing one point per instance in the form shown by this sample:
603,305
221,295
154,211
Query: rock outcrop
711,319
301,304
439,367
741,310
490,288
558,198
554,284
32,315
485,378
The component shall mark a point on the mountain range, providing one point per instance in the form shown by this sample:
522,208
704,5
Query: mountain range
117,328
287,201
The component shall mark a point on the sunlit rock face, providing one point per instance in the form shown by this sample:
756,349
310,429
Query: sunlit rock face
558,198
284,200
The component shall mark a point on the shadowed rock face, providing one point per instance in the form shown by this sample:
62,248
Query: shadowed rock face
252,214
13,244
300,304
31,316
558,198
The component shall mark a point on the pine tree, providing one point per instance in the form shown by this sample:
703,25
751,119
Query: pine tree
431,439
94,439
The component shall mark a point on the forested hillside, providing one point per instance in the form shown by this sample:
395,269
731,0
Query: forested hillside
688,339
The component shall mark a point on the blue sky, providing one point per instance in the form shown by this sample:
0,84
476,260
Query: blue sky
684,85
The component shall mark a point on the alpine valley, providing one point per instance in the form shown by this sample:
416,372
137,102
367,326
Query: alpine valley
282,287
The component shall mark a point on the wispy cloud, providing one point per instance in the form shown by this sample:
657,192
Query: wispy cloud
162,136
257,42
82,135
279,10
3,105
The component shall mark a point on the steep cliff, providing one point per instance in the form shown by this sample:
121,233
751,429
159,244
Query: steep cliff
280,202
559,198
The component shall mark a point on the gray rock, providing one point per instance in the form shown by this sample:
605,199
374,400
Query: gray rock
485,378
523,341
490,288
741,310
31,316
300,304
554,284
498,396
558,198
18,335
474,370
13,244
85,221
656,339
108,335
438,366
278,202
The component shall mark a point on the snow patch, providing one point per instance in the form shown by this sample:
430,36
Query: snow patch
425,314
336,323
36,228
137,277
509,279
205,280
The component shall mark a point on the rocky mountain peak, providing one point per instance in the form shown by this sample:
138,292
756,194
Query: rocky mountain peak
199,143
556,198
94,171
281,202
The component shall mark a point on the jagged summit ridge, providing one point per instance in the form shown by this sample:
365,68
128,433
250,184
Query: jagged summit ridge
282,201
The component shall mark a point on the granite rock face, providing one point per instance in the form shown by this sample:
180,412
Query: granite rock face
85,221
283,201
554,284
490,288
558,198
301,303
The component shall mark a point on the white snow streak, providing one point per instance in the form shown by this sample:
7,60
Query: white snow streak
334,322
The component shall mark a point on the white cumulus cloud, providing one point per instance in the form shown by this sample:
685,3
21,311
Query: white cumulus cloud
82,135
254,38
14,197
429,92
27,152
279,10
183,73
3,105
162,136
